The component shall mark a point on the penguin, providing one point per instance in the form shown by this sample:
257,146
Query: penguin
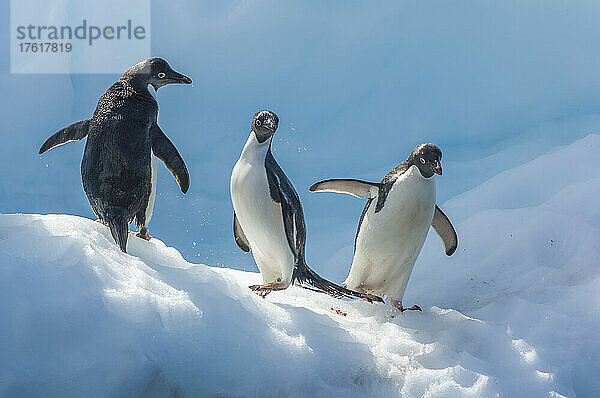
123,137
394,224
268,217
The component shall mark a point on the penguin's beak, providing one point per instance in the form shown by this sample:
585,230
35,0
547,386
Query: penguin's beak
179,78
437,168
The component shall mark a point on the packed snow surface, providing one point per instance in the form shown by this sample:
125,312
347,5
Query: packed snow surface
515,312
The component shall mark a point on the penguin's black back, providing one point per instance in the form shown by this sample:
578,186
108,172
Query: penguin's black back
116,166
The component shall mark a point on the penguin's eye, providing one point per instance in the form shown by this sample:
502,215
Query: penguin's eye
422,160
161,75
258,122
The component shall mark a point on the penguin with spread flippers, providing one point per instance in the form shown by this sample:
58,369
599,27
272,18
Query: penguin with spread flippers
118,168
394,224
268,217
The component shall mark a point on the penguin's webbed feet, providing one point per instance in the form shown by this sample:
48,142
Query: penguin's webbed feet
398,304
413,308
363,294
143,233
371,298
264,290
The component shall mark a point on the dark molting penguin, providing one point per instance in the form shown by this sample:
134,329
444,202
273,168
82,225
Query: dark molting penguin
394,223
121,136
268,217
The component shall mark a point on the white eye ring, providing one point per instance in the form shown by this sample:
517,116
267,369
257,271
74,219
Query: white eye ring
422,160
161,75
258,122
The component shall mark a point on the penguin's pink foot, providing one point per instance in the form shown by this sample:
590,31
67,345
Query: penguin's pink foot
264,290
146,237
398,304
362,293
143,233
371,297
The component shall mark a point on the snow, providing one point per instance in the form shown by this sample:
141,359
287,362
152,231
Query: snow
515,312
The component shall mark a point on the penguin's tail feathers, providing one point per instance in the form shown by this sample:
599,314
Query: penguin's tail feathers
116,218
304,275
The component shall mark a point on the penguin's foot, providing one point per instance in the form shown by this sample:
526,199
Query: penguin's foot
264,290
413,308
372,298
398,304
143,233
368,296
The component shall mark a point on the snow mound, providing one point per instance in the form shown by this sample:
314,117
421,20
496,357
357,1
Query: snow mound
513,313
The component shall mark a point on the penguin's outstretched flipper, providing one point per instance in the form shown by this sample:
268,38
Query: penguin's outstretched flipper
358,188
116,219
74,132
164,149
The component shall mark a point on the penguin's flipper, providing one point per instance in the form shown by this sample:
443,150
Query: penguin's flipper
164,149
358,188
282,191
445,230
74,132
240,237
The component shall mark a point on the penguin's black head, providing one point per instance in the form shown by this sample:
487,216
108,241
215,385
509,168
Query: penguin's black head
155,71
427,158
264,125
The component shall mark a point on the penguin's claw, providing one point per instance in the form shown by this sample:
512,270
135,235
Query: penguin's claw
264,290
368,296
371,297
145,237
413,308
143,233
398,304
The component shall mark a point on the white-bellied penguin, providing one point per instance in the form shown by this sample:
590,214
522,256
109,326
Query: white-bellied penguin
394,223
268,217
122,135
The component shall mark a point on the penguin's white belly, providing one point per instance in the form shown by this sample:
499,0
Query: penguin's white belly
390,241
153,165
152,198
261,220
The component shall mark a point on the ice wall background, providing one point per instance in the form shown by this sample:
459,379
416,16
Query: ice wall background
356,85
